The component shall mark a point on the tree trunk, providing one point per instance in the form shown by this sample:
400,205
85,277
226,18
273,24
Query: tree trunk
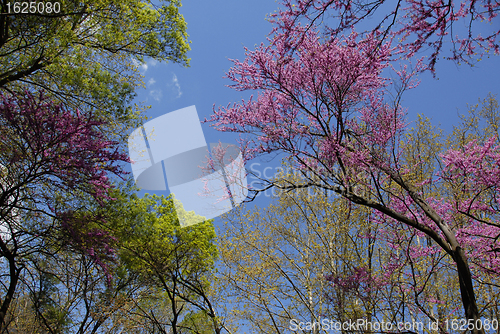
14,278
467,289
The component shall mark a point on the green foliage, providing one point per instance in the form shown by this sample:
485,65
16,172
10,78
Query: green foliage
88,58
51,316
196,323
87,55
174,264
160,275
277,261
152,235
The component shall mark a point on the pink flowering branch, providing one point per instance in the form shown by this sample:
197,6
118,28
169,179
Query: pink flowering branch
324,103
412,24
51,159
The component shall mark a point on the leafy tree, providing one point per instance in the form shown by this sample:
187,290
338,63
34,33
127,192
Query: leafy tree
196,323
177,262
327,107
87,54
311,256
160,282
49,313
276,262
52,160
55,163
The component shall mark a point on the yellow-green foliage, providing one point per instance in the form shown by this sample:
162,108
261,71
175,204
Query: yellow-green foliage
87,56
275,261
153,241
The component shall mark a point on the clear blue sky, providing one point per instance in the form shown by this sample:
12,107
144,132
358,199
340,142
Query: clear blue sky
220,29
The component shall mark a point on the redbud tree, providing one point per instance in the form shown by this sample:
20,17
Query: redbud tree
53,161
462,31
325,104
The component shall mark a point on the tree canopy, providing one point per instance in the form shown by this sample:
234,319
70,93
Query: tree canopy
67,80
87,54
330,105
455,30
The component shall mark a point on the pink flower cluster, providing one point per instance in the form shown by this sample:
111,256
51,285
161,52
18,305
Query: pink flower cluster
50,152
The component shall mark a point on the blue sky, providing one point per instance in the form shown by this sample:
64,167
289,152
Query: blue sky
220,29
